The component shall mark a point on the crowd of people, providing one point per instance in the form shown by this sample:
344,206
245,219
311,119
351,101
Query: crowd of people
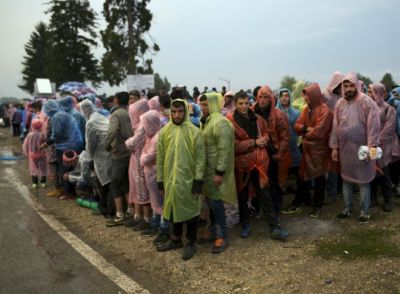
162,161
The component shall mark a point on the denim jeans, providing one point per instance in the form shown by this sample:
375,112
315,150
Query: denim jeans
332,185
218,219
158,222
365,195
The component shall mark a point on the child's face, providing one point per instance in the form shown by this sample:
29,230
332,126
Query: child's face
396,95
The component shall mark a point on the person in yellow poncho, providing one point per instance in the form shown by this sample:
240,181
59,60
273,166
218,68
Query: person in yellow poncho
219,179
180,170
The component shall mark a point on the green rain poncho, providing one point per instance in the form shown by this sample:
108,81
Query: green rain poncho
180,161
297,93
219,139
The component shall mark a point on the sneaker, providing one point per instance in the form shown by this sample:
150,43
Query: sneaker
364,217
344,214
170,245
189,251
315,213
116,221
245,231
43,185
291,209
66,197
142,225
150,231
387,206
278,233
220,245
130,222
34,186
161,239
54,193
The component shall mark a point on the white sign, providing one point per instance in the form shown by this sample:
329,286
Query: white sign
139,82
43,86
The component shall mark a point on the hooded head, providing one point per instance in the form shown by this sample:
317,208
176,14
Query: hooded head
265,97
312,95
151,122
136,110
228,98
215,102
280,94
98,103
395,93
37,124
86,108
154,103
51,107
351,87
179,111
378,93
89,96
335,82
67,103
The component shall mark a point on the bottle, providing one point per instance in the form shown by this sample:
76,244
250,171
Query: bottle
87,203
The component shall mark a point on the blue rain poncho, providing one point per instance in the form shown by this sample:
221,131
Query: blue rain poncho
180,161
64,129
67,104
292,114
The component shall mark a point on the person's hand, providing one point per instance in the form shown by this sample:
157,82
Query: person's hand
261,142
334,155
218,180
65,176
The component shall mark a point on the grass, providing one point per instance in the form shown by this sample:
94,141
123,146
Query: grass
366,243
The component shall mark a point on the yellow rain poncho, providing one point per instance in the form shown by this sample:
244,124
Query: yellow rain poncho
219,139
180,161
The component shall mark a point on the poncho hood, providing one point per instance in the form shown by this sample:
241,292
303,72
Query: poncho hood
136,110
51,107
337,78
151,122
313,92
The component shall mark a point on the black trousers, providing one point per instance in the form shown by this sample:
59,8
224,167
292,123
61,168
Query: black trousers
191,230
303,194
265,198
35,180
385,183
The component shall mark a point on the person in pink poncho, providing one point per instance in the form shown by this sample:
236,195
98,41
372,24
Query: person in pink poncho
138,193
355,123
151,125
36,154
389,143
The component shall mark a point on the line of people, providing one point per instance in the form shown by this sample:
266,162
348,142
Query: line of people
161,162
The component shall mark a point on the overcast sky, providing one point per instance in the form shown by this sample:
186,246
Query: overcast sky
248,42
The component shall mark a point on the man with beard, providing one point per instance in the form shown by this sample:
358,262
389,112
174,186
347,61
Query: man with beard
356,123
181,163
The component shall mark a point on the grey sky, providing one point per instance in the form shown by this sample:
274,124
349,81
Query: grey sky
250,42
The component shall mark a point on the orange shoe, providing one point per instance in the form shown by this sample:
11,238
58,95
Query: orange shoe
220,245
54,193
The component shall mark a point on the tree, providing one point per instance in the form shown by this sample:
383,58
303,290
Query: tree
367,81
388,81
35,60
288,81
160,84
126,39
72,27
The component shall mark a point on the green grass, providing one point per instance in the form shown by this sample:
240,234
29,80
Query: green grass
365,243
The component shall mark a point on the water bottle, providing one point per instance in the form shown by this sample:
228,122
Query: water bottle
87,203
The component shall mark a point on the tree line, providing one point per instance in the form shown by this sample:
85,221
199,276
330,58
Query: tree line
62,50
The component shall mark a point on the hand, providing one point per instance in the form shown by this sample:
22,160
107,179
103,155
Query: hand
334,155
310,129
218,180
66,176
261,142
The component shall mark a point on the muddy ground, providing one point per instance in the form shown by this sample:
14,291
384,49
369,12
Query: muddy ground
254,265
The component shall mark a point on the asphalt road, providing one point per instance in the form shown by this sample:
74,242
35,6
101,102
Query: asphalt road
33,257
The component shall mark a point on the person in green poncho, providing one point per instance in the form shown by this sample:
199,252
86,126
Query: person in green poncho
181,165
219,179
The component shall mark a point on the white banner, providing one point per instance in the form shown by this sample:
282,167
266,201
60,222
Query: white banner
139,82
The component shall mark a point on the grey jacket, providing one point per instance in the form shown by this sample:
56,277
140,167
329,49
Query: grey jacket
119,130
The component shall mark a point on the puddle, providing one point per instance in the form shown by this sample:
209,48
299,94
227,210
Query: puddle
8,156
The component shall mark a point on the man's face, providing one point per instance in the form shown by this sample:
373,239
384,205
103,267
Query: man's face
285,99
396,95
242,105
370,93
350,90
204,107
263,99
133,99
178,114
306,98
228,99
116,101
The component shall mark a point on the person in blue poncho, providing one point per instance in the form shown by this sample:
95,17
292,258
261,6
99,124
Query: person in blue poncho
65,135
67,104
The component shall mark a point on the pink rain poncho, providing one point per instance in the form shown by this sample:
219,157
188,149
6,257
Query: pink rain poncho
33,150
151,125
388,139
154,104
328,96
355,123
138,193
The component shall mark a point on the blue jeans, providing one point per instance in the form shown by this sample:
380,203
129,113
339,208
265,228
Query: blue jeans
158,222
332,185
218,220
365,195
